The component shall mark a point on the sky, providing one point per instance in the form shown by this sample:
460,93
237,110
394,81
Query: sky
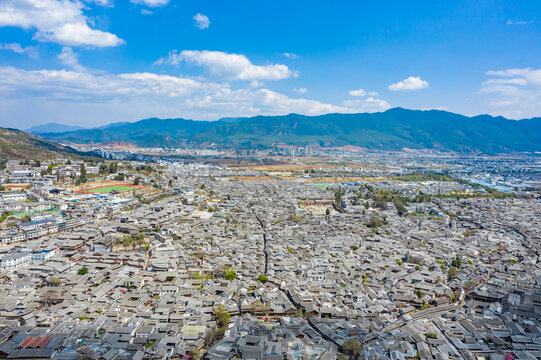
94,62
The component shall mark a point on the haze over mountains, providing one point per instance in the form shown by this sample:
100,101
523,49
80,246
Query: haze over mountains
394,129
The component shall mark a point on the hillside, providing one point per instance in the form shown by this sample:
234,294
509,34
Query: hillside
16,144
393,129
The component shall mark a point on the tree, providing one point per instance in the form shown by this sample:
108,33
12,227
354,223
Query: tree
457,262
82,177
374,222
113,168
137,181
222,316
230,274
351,347
263,278
49,296
419,293
453,272
83,271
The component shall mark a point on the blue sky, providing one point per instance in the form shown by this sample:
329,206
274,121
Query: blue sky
94,62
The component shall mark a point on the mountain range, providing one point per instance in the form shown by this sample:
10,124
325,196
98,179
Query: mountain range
52,128
394,129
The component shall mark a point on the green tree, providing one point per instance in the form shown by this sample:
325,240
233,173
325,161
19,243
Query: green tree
83,271
457,262
230,274
374,222
453,272
222,316
263,278
82,177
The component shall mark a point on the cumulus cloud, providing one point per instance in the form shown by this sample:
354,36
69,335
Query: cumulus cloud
301,90
62,95
201,21
514,93
151,3
223,65
361,92
69,58
60,21
409,84
369,104
31,51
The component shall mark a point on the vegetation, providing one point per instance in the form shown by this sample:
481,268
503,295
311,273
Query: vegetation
374,222
230,274
82,271
20,145
383,130
5,215
452,273
351,347
263,278
222,319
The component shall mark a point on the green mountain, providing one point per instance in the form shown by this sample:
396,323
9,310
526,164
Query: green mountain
393,129
16,144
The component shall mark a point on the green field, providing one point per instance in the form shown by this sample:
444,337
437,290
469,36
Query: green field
108,189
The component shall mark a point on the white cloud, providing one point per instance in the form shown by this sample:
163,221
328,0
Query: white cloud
301,90
514,93
151,3
222,65
409,84
106,3
62,95
69,58
146,12
60,21
291,56
31,51
441,108
201,21
361,92
370,104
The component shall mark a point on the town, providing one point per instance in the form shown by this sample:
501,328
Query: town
283,255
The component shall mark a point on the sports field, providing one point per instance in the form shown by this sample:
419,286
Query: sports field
108,188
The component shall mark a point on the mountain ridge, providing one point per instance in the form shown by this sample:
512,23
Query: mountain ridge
394,129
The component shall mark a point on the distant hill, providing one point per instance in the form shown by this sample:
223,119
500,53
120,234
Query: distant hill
52,128
146,133
393,129
16,144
